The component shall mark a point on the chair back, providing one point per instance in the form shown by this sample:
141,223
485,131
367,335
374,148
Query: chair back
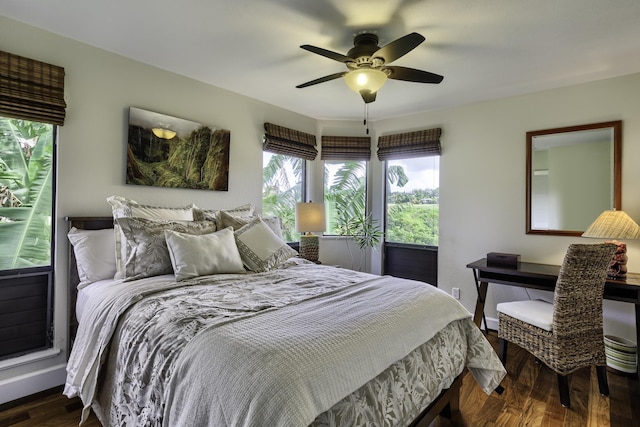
577,301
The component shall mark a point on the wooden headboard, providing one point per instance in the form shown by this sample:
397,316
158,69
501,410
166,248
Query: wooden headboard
81,223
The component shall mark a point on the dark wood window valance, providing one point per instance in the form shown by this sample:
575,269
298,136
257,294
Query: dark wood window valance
31,90
420,143
346,148
282,140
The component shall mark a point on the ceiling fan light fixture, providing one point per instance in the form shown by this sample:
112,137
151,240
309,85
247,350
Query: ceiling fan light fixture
365,79
163,133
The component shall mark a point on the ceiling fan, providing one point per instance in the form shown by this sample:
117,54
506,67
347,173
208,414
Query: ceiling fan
368,67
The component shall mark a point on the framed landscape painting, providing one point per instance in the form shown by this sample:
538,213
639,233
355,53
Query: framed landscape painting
165,151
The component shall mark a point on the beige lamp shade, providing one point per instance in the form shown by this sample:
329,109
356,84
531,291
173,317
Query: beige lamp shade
310,217
612,224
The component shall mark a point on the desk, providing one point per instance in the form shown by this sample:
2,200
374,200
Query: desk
544,277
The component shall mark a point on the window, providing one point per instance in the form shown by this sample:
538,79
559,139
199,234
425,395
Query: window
282,187
345,195
26,193
27,172
412,205
31,106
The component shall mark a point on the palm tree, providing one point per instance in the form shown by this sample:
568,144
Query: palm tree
26,196
281,190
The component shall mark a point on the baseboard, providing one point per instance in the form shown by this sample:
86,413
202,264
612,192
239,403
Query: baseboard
32,383
492,324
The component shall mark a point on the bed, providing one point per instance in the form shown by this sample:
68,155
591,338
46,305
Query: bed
295,344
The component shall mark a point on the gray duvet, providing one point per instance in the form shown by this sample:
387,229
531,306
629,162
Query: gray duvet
300,345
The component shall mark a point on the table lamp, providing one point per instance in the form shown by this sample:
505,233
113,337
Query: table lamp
613,224
310,217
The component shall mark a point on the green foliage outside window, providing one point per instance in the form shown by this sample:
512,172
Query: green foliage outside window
282,179
26,193
412,216
345,194
413,223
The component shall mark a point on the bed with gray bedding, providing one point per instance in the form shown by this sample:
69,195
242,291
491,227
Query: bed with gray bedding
302,344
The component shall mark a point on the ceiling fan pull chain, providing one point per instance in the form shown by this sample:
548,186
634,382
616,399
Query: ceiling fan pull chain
366,116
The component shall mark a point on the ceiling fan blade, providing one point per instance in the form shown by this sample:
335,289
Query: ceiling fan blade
368,96
398,48
327,53
322,79
413,75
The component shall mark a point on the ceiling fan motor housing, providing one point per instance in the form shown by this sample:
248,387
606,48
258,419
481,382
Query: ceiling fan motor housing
364,45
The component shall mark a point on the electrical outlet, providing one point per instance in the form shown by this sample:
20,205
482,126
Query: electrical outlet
455,292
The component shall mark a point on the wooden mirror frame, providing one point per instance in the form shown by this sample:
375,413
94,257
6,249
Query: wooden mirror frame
617,170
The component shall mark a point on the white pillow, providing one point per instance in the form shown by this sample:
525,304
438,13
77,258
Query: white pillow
193,256
95,254
260,248
127,208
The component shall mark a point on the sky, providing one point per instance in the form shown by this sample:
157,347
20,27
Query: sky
422,172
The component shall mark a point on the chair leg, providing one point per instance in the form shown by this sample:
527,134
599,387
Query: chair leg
502,351
563,387
603,384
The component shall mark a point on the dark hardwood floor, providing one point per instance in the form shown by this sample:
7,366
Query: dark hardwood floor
530,399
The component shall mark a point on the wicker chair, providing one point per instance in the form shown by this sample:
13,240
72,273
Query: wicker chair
566,335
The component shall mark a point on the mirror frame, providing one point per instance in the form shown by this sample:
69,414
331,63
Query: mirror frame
617,169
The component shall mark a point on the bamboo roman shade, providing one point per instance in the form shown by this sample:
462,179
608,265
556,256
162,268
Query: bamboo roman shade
31,90
346,148
282,140
420,143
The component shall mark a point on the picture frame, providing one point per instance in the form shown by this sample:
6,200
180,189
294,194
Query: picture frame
166,151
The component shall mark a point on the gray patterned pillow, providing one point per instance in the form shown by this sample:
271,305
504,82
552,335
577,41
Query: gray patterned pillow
126,208
237,222
146,248
260,248
200,214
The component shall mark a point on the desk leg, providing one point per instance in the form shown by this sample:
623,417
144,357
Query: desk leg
478,315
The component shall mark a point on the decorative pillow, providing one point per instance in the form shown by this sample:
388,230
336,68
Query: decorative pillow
200,214
199,255
240,211
237,222
95,254
127,208
260,248
145,245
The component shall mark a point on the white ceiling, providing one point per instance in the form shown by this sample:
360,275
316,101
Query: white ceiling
484,49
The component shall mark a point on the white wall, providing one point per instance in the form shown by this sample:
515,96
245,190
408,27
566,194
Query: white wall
482,181
482,166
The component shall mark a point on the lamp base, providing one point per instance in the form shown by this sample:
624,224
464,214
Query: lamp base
309,247
618,266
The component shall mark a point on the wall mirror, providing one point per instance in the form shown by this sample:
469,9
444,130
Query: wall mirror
573,175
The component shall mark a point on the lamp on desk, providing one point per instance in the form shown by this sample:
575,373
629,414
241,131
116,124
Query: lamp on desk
310,217
613,224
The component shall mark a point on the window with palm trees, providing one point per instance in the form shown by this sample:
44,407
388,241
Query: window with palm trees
345,196
412,208
283,187
26,193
